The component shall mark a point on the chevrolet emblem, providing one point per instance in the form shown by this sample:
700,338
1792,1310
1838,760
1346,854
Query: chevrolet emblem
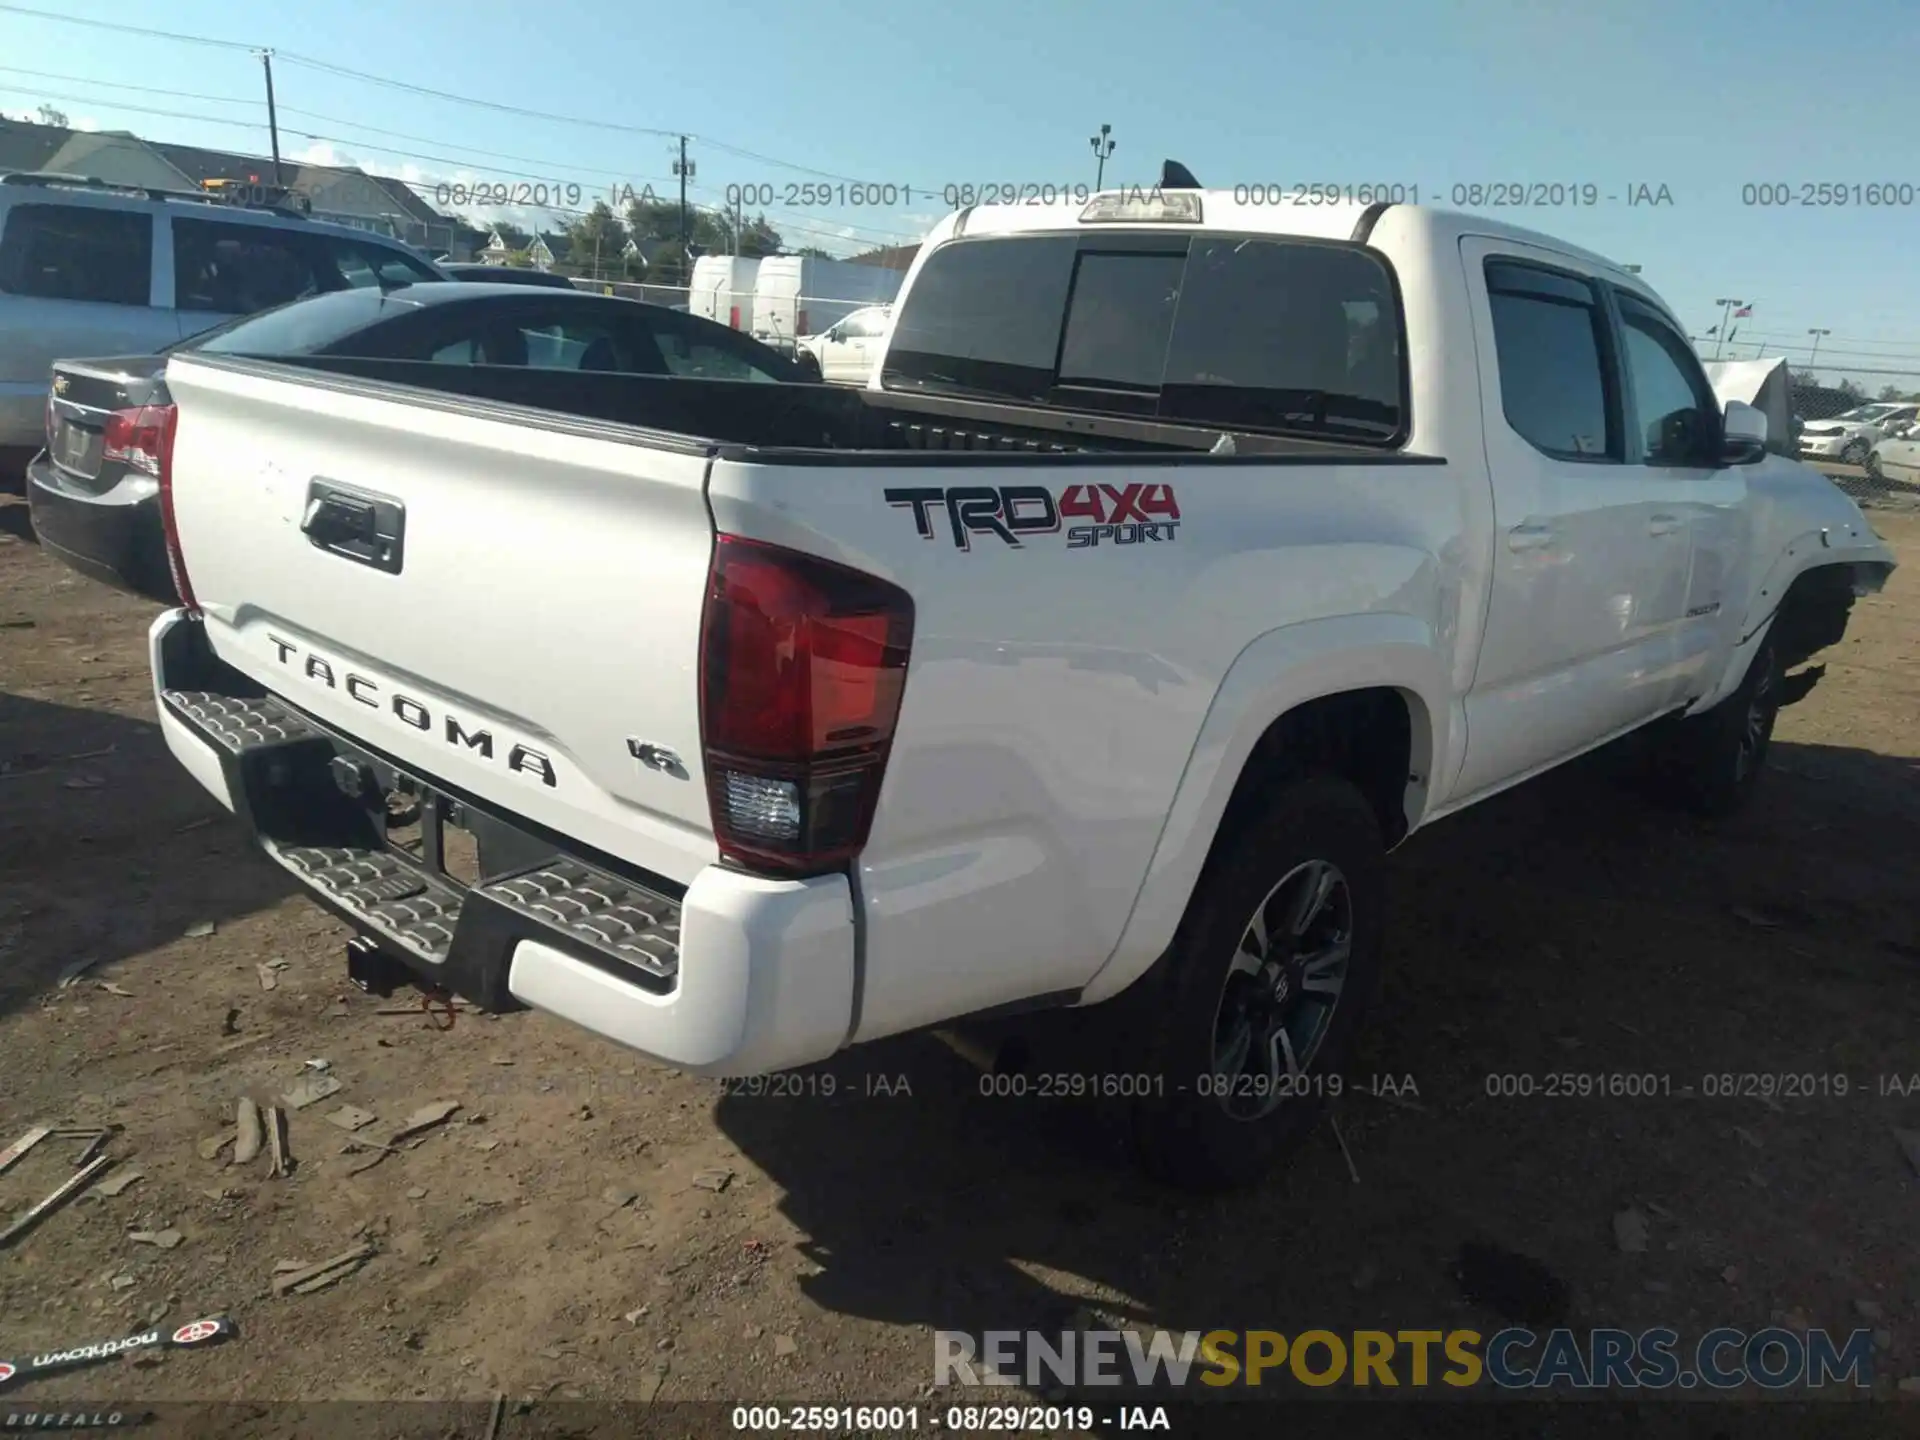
59,384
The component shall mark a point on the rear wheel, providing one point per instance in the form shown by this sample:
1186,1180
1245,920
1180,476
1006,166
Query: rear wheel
1855,452
1262,995
1874,470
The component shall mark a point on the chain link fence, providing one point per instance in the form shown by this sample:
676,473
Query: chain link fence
1854,439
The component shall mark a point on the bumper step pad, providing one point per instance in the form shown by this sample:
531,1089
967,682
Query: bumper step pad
639,929
241,724
400,900
623,928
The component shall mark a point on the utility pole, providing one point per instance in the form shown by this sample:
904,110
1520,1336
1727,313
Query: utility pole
683,167
273,120
1103,148
1816,346
1720,332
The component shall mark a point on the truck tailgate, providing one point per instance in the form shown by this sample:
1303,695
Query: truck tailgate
524,620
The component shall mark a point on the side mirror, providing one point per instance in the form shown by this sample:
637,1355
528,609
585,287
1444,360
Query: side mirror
1744,435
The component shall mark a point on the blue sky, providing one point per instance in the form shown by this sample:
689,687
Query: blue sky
1700,97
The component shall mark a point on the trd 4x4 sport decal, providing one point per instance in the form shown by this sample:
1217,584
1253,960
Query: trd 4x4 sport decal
1115,514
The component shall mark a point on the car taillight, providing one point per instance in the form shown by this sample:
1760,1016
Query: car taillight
134,437
733,317
166,420
802,667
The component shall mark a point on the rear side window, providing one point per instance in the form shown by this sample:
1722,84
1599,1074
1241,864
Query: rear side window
1244,332
303,328
78,252
237,269
1556,386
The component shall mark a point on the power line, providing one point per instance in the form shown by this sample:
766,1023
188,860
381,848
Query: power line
131,29
860,234
314,63
120,85
875,232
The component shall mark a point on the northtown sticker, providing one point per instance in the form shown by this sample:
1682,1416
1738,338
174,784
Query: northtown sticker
1136,514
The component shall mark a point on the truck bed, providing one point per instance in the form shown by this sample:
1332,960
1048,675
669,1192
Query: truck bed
799,424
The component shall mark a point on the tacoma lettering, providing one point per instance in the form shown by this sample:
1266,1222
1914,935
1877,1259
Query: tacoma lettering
521,759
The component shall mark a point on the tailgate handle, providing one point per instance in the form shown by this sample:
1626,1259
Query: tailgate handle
356,525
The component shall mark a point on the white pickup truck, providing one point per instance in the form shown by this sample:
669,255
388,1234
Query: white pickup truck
1181,559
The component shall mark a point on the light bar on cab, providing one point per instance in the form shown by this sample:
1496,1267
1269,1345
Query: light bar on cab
1173,207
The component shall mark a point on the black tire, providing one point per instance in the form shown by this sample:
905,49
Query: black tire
1718,757
1874,469
1185,1134
1855,452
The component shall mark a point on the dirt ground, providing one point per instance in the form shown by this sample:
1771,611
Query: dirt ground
587,1226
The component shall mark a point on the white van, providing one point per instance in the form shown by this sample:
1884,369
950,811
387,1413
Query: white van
722,289
798,295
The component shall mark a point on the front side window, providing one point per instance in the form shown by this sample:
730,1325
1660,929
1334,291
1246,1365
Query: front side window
1554,380
361,265
78,252
704,357
1674,407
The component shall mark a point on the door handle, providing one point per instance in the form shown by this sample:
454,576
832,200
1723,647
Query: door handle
1530,536
1663,524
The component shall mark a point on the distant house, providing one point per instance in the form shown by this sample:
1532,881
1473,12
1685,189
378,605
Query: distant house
342,195
549,248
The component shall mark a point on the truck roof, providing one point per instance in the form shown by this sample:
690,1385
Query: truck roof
1220,210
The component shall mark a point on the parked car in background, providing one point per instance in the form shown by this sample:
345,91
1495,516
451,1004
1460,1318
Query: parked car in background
93,493
1850,437
88,268
507,275
1897,457
846,352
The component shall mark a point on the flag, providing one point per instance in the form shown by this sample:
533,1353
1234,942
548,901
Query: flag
1713,329
1743,312
1731,333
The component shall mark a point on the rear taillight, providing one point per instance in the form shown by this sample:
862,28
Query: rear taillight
802,667
800,324
733,316
134,437
165,420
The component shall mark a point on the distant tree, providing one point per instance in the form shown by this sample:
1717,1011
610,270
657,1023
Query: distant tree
1891,392
758,237
814,252
1855,394
597,240
518,257
50,116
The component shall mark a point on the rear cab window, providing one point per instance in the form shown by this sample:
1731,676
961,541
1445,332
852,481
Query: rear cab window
78,252
1274,334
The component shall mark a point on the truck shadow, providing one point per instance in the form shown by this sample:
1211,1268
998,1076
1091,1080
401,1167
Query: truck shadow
1566,926
108,848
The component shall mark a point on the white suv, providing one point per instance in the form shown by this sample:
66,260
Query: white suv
92,269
